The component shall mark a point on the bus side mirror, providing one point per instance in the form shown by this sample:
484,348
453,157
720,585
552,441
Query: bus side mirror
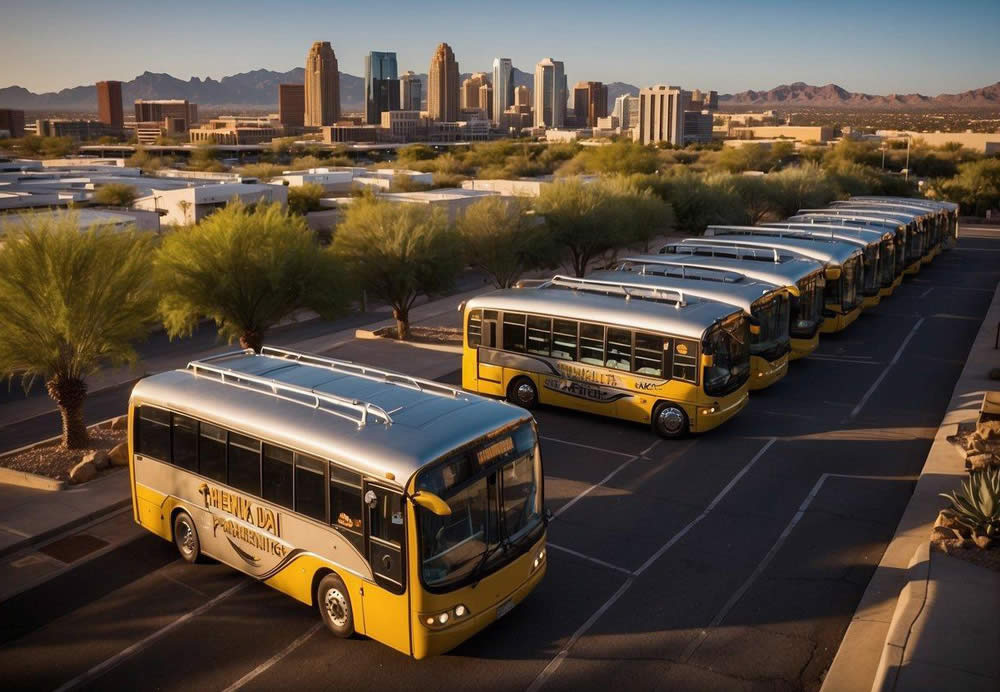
755,329
707,360
833,273
432,503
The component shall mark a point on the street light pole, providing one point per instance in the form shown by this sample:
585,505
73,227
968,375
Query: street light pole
906,176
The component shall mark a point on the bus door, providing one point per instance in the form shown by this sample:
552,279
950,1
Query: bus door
490,376
386,610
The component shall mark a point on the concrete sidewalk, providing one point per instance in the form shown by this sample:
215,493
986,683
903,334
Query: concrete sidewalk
898,628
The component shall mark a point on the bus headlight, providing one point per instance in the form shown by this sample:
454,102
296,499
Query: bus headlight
437,621
539,560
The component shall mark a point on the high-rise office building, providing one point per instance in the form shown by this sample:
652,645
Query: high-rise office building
12,122
410,92
469,95
322,86
626,110
442,85
503,87
109,104
381,86
486,100
550,93
661,115
522,96
156,110
590,102
292,104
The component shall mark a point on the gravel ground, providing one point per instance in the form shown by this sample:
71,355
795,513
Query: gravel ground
54,461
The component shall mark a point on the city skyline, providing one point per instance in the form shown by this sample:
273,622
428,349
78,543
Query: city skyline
893,37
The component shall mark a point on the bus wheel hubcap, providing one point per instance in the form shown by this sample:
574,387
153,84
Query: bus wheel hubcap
525,393
187,536
336,607
671,419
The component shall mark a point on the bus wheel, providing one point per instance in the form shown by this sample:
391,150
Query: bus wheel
669,420
522,392
186,537
335,606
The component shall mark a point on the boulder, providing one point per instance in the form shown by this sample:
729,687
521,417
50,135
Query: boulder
977,443
977,462
119,423
119,454
989,429
99,458
83,472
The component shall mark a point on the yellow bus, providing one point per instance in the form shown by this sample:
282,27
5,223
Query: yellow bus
933,221
844,273
766,305
679,370
803,277
918,250
949,211
402,509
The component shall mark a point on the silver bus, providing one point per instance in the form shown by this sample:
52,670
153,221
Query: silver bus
844,272
935,220
919,249
950,209
765,304
382,500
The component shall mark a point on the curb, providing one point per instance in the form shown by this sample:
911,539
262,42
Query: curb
908,608
68,526
26,479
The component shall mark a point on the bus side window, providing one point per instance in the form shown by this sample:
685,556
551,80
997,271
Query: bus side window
154,432
475,328
513,331
489,338
564,339
276,476
212,452
244,463
345,505
310,486
184,434
592,344
649,353
619,349
539,335
685,360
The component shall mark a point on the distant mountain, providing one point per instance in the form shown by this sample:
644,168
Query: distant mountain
833,96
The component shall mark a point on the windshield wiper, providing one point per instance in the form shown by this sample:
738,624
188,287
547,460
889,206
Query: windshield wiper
487,554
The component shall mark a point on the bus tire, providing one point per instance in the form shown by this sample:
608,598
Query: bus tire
334,603
522,392
186,537
669,420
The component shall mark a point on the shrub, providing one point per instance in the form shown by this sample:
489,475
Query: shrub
977,505
116,195
303,199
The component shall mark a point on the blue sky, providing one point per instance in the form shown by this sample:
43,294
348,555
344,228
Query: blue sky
876,47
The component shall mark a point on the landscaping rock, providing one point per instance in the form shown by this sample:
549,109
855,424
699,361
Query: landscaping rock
977,443
977,462
983,542
120,423
119,454
99,458
988,429
83,472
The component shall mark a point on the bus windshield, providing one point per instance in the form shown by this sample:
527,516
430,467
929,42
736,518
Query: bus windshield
729,345
772,317
492,488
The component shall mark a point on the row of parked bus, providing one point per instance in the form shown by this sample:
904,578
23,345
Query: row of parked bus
678,339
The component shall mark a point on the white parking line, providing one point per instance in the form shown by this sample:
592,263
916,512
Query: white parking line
578,444
607,478
927,292
121,656
596,561
895,359
762,565
554,664
274,659
852,361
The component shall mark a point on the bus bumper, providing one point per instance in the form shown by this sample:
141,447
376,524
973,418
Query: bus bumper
428,642
803,347
871,301
706,418
840,321
886,291
764,373
929,257
913,268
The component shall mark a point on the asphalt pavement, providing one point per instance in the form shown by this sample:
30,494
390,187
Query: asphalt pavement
732,560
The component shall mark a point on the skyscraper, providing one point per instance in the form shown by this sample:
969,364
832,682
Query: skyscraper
442,85
503,87
661,115
550,93
486,100
410,92
109,104
292,104
322,86
590,102
522,96
381,86
469,97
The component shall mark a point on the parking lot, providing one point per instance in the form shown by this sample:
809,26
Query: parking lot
731,560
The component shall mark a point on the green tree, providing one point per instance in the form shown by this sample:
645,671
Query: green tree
695,203
303,199
205,158
619,157
70,302
976,187
748,157
753,191
116,195
503,239
800,187
645,215
247,269
398,252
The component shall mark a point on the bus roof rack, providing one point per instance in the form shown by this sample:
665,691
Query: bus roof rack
628,289
691,271
350,409
752,253
367,372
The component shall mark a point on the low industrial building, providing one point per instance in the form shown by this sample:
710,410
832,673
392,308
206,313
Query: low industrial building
236,131
984,142
87,219
190,205
801,133
453,200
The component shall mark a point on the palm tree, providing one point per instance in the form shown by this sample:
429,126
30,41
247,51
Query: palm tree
246,269
71,301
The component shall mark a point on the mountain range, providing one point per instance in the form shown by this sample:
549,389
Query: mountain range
258,89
